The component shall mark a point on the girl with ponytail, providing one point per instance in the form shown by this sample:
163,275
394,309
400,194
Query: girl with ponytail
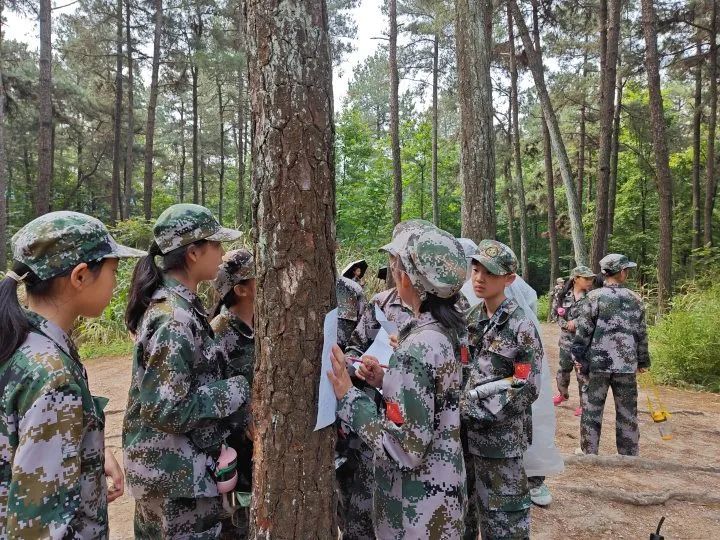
54,464
179,398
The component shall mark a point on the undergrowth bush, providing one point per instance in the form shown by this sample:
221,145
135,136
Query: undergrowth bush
685,343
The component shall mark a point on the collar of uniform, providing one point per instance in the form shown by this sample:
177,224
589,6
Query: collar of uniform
508,306
53,332
238,324
614,285
186,294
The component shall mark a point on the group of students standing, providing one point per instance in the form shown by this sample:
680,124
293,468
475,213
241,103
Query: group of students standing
439,433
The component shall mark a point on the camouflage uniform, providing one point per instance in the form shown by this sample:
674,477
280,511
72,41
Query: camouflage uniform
419,473
172,431
498,429
611,341
555,298
52,448
351,305
573,310
237,341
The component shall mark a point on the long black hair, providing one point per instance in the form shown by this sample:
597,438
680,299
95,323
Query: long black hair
445,312
14,326
148,277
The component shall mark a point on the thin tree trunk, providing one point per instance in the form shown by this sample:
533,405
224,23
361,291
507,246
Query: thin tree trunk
435,201
183,152
117,116
615,149
549,175
510,203
662,161
195,136
711,183
515,129
130,136
29,188
697,119
609,38
240,213
45,113
294,235
152,106
473,36
583,130
4,182
535,63
395,114
221,111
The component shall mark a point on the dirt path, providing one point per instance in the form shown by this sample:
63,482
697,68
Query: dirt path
572,515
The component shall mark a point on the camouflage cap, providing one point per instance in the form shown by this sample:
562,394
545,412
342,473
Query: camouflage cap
498,258
55,242
435,262
560,281
238,265
582,271
183,224
614,263
402,232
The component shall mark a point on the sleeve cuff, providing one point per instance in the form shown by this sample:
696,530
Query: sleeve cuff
345,405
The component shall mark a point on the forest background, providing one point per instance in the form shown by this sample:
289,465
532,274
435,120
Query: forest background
123,107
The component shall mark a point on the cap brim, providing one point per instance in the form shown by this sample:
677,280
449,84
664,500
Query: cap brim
631,265
393,248
488,263
125,252
585,275
223,234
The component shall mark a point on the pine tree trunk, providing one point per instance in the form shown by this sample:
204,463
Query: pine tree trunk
294,234
615,154
477,136
697,119
515,123
45,112
535,63
195,136
117,116
130,135
435,199
662,166
395,114
183,151
240,212
609,38
221,175
583,131
152,106
711,182
4,184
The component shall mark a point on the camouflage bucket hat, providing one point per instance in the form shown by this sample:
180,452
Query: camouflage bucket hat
614,263
238,265
58,241
496,257
435,262
402,232
183,224
582,271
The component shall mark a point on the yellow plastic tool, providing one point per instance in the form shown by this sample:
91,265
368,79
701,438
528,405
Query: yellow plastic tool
658,411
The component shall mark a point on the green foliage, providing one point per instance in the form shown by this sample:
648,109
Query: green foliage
684,345
543,307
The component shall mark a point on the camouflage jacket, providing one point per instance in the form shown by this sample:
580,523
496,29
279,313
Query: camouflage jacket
52,449
178,395
390,304
612,335
555,301
351,305
237,342
419,470
500,425
573,311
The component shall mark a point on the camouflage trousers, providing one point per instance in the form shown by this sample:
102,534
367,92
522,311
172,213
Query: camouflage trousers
562,377
498,498
627,432
356,485
191,519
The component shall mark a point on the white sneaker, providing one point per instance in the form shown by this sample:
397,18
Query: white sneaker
541,495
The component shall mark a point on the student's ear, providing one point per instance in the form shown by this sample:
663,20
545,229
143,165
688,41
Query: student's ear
192,254
239,290
80,276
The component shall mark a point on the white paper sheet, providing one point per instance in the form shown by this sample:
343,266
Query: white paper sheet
390,327
380,349
327,402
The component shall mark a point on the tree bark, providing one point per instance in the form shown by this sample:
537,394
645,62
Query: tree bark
240,213
515,130
4,184
435,201
662,166
609,41
152,106
615,154
183,152
583,130
395,114
696,191
536,67
221,175
294,209
477,137
117,116
195,142
711,182
130,135
45,113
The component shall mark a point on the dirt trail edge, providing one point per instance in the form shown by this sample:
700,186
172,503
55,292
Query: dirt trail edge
606,497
